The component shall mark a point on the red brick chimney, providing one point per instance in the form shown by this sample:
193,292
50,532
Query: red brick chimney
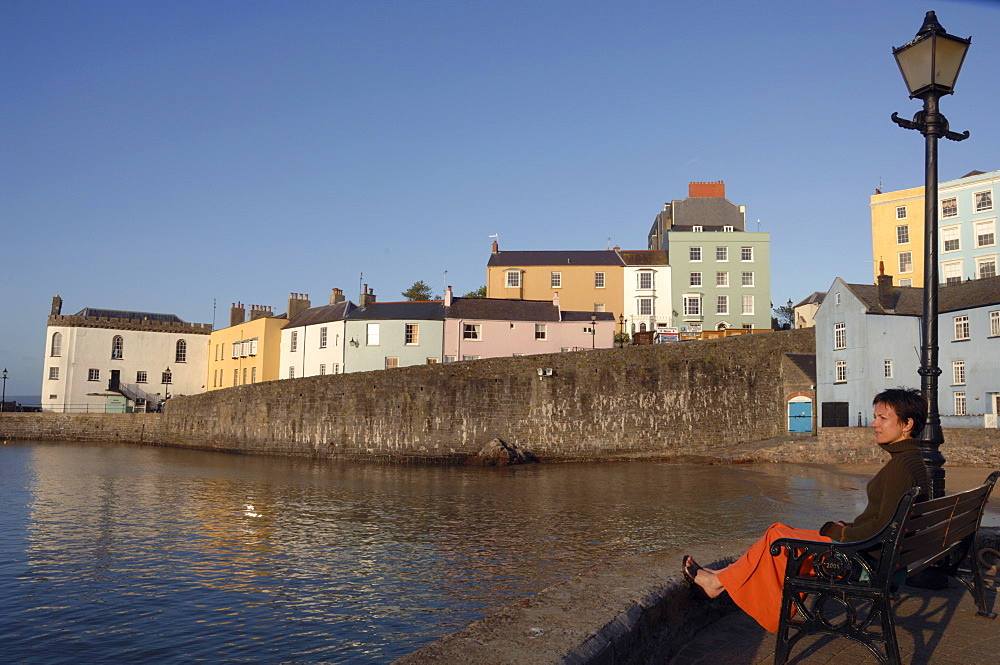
886,297
715,189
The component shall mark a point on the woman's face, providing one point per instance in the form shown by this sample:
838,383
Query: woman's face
888,427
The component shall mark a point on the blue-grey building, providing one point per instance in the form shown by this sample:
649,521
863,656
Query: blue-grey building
868,338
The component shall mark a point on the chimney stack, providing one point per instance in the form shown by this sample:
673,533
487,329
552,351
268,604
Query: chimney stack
367,297
297,302
496,247
447,297
237,314
336,296
260,312
715,189
886,297
56,306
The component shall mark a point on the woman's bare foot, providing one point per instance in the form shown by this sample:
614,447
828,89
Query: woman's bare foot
704,578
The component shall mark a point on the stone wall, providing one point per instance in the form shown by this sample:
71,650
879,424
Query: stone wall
641,401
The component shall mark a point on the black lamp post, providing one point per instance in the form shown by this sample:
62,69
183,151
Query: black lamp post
167,378
621,331
930,65
593,330
3,397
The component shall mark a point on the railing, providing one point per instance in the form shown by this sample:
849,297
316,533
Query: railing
79,408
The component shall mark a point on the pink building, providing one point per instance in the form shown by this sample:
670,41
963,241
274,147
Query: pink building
496,327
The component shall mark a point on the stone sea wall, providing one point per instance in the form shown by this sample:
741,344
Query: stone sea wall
641,401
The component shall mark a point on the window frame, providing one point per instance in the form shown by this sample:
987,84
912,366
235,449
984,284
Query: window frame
555,280
961,329
141,376
949,207
722,279
840,372
472,332
839,336
982,201
180,351
887,368
692,304
644,280
721,254
900,212
541,332
748,305
53,374
950,234
747,279
746,254
903,234
117,347
986,261
323,337
961,403
904,262
293,342
644,306
55,347
93,374
958,372
989,227
695,278
599,280
512,279
373,334
411,334
694,254
722,305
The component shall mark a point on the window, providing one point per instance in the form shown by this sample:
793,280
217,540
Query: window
746,279
841,372
322,369
906,282
513,279
294,343
93,375
434,361
140,377
646,279
472,331
253,346
555,280
837,298
54,373
727,229
291,371
951,272
721,253
117,348
697,229
985,233
322,337
236,349
986,267
900,212
692,305
695,279
372,334
245,375
599,307
181,351
645,307
887,368
470,357
253,374
995,324
840,336
722,304
598,280
412,333
746,254
949,207
56,348
391,363
722,279
905,261
958,372
694,254
244,348
961,327
960,403
984,200
748,304
747,326
902,234
167,377
950,241
540,332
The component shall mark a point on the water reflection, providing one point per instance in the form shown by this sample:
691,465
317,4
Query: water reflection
137,554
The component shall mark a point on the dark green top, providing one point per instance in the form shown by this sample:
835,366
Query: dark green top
905,469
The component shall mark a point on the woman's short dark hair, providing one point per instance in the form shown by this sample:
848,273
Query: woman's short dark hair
907,403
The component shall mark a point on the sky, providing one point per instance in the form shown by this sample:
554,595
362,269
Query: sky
179,156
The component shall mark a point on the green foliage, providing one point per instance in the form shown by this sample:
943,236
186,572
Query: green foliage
478,293
419,291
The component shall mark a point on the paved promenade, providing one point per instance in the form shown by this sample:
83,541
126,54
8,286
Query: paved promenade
933,628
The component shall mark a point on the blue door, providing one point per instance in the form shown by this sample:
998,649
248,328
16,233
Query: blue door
800,417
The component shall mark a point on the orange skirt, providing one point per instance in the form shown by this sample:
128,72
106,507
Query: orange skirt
755,580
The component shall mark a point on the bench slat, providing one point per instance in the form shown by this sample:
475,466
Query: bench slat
963,513
935,504
930,546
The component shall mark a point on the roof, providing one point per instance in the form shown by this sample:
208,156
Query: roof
816,298
601,257
125,314
423,310
909,300
501,309
322,314
805,362
644,257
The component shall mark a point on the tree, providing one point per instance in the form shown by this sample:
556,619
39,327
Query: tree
419,291
478,293
782,318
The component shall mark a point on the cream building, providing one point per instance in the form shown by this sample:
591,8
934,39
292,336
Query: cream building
247,351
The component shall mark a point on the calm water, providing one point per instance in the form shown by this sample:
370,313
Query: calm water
127,554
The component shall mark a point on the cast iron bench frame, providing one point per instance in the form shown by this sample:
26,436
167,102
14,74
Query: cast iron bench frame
856,581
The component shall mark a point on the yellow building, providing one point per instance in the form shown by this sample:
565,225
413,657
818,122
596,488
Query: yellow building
586,281
247,351
898,235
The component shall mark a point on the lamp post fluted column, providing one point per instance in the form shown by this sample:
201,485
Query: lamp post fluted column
930,65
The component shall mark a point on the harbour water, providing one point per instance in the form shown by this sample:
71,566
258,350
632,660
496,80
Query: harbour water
126,554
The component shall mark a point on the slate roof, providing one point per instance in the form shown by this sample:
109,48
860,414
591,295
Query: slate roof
601,257
644,257
909,300
125,314
322,314
815,298
805,362
416,310
585,316
502,309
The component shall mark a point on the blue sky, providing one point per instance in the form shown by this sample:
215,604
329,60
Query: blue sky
159,155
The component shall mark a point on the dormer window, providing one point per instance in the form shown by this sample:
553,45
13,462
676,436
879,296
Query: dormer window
697,229
727,229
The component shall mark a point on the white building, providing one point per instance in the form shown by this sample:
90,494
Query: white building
647,303
313,341
100,360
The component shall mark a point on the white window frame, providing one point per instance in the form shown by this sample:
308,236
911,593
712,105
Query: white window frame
747,279
900,212
985,233
253,346
644,306
697,229
236,349
958,372
949,207
722,254
513,279
53,374
93,374
995,323
55,350
644,279
694,279
841,372
951,272
692,304
180,351
746,254
904,260
291,372
599,280
961,403
722,279
472,332
986,261
373,333
141,376
727,229
555,280
951,234
541,332
322,337
903,234
411,334
961,327
887,368
722,305
748,305
839,336
906,282
983,201
694,254
391,362
117,347
293,342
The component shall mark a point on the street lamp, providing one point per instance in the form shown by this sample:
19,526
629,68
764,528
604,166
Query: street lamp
3,397
621,331
166,384
930,64
593,330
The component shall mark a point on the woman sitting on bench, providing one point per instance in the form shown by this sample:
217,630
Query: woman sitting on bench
754,581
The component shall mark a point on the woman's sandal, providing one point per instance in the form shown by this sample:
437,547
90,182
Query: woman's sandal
691,569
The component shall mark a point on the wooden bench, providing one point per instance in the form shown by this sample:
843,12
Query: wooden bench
846,589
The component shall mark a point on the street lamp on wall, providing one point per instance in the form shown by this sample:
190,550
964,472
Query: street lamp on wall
593,330
3,397
166,384
621,331
930,64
